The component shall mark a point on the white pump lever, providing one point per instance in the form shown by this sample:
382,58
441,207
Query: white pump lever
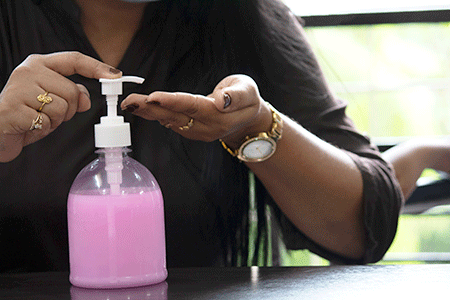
112,130
114,86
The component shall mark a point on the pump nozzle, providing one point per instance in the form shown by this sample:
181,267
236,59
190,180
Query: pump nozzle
113,133
112,130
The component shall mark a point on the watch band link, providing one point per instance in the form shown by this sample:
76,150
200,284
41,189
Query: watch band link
276,131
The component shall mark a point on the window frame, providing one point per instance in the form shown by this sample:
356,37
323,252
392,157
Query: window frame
429,16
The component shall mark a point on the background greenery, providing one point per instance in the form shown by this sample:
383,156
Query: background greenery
396,80
395,77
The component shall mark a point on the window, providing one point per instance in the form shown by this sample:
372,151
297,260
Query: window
390,60
325,7
396,77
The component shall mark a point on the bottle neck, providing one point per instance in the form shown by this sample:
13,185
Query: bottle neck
123,151
114,159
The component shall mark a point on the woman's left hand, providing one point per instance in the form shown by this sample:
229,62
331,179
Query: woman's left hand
232,111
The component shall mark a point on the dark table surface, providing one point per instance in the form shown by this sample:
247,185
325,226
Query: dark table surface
334,282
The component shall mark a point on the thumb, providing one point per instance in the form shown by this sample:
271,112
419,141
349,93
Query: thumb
235,92
233,98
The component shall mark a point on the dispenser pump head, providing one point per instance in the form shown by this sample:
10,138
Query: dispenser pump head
112,130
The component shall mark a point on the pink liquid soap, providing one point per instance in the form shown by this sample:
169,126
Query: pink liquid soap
116,241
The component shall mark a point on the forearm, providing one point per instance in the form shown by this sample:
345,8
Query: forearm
318,187
409,159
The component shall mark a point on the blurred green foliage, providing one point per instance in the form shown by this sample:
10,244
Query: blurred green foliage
396,80
395,77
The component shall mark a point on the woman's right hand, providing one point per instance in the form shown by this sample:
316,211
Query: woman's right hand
21,122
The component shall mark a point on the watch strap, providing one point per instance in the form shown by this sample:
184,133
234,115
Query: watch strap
275,132
231,151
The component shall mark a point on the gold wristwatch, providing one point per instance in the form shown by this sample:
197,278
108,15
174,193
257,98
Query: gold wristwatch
262,146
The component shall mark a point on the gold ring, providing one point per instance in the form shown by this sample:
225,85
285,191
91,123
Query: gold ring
44,99
188,125
37,123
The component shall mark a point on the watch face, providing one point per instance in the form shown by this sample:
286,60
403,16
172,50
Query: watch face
258,149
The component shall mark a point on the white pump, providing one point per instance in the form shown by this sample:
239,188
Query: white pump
112,130
113,133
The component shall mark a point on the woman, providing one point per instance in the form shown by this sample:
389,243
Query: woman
210,67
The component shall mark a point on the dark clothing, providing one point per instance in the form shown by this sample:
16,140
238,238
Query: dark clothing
205,190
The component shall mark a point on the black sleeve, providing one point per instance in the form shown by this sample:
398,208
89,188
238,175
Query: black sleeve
5,44
17,34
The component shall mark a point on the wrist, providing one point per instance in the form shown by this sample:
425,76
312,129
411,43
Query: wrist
261,123
261,145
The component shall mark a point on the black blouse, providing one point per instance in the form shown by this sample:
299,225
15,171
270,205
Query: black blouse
206,191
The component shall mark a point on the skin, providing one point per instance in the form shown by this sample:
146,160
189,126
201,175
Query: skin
34,76
410,158
316,185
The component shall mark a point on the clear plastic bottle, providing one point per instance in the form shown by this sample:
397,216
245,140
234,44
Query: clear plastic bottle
115,215
149,292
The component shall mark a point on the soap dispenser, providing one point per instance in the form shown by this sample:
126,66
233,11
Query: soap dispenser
115,210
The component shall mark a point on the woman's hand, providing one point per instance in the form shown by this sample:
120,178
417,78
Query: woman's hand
233,110
25,118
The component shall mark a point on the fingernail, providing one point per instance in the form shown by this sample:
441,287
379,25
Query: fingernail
114,70
154,102
131,107
87,94
227,100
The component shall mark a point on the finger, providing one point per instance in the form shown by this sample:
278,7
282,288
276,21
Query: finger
31,74
17,120
39,127
176,121
84,99
21,121
70,63
188,127
135,104
58,110
188,104
76,95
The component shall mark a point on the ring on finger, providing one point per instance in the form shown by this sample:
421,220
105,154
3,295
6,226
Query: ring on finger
37,123
188,125
44,99
167,125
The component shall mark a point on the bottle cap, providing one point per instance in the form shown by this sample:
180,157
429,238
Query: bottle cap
112,130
